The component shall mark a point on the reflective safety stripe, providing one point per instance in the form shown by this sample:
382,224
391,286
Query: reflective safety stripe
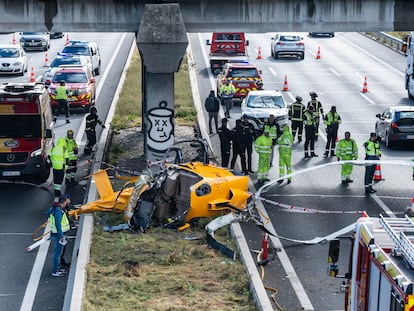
64,223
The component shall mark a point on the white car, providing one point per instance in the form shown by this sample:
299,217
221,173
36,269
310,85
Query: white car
88,49
13,59
287,45
63,60
259,105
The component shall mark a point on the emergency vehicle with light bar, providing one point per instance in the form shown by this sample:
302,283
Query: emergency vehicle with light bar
225,47
79,82
244,76
26,132
381,263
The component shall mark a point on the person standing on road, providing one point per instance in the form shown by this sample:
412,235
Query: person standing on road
92,120
347,149
59,158
226,138
296,116
310,133
249,136
72,148
59,224
212,106
285,142
227,91
238,146
372,152
263,146
317,109
274,133
62,101
332,121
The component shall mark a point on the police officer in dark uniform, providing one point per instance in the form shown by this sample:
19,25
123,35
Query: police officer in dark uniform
238,146
226,138
249,136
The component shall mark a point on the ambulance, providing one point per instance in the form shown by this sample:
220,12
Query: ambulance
26,132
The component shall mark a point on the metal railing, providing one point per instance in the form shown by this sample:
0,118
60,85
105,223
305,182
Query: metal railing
386,39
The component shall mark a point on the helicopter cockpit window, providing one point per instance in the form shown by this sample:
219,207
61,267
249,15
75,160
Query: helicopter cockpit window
203,189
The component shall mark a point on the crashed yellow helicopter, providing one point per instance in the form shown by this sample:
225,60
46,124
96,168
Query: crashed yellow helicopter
175,196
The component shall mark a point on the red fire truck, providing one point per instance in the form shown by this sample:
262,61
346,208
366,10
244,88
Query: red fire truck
380,273
26,132
225,47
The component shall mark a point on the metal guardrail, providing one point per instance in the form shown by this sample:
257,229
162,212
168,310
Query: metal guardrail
386,39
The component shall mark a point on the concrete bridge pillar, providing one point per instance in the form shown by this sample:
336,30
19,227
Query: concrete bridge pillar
162,41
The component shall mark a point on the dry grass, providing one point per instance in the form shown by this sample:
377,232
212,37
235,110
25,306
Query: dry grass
160,270
128,112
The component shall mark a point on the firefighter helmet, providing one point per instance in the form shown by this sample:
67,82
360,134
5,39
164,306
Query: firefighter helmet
313,94
298,98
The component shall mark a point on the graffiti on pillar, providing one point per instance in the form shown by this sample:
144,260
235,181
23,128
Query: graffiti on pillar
161,127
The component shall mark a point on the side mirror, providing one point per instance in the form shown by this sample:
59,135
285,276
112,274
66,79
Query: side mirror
247,42
333,256
208,42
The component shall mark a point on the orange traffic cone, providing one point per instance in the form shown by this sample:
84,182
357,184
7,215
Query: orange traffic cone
365,86
377,174
364,214
259,54
318,54
46,64
14,39
67,39
285,84
32,76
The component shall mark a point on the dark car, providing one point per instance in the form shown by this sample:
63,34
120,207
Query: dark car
396,124
35,40
322,34
56,35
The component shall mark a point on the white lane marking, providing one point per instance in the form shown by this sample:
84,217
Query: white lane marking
373,57
383,205
367,99
284,259
333,70
39,263
33,284
272,71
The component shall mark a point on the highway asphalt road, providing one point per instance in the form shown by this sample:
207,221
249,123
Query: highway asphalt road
29,284
298,272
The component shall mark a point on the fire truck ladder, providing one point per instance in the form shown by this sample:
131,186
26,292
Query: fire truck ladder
401,230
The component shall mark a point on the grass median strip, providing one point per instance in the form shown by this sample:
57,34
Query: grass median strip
160,269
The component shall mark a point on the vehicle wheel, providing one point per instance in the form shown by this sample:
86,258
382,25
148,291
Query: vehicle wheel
303,55
332,35
277,56
388,142
410,96
98,70
271,53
